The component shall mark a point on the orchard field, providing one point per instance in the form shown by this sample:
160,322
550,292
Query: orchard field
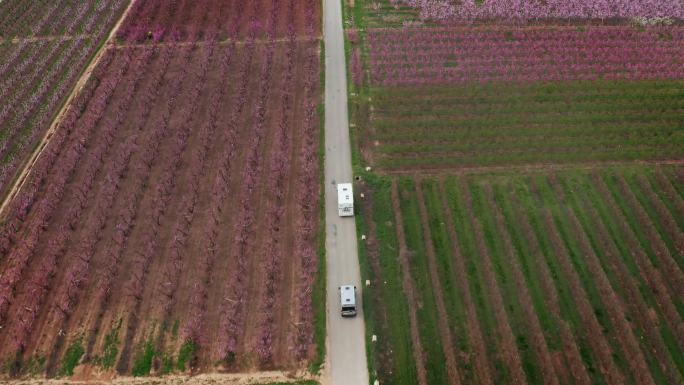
171,223
44,47
456,97
524,217
572,277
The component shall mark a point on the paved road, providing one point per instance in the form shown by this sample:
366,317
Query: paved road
346,342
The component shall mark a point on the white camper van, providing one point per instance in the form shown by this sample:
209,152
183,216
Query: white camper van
345,199
348,300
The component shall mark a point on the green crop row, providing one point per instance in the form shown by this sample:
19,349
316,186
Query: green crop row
578,241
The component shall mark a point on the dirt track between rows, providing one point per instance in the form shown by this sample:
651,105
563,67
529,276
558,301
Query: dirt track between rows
202,379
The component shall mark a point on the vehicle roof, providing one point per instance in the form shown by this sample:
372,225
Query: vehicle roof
344,193
347,296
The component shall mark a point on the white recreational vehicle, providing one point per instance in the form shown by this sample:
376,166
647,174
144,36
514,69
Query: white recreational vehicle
345,199
348,300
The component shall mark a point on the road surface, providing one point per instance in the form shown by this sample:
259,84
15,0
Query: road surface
346,341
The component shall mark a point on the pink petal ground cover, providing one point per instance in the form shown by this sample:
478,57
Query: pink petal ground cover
453,55
554,9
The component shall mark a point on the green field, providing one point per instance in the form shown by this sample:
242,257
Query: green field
519,232
500,124
544,277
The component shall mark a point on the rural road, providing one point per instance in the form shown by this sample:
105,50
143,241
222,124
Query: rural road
346,341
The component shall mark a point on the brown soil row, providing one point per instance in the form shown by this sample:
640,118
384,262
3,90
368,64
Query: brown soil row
613,303
407,283
132,195
570,364
663,294
41,256
667,188
668,221
674,273
508,349
533,325
596,337
475,335
645,317
442,317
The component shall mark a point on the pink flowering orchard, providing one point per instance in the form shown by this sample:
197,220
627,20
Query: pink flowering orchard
175,209
43,49
466,10
458,55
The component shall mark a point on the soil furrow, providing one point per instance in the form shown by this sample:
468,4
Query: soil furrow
643,314
596,337
407,283
668,189
573,367
674,273
613,303
127,206
443,318
668,222
506,339
658,285
533,325
474,332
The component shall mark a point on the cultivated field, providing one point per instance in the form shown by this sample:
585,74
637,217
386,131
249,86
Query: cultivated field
524,218
572,277
171,224
158,21
44,47
491,96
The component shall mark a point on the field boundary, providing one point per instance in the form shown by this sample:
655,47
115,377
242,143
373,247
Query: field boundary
201,379
21,178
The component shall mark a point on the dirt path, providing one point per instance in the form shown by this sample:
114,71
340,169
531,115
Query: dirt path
475,335
416,343
31,161
443,318
83,377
